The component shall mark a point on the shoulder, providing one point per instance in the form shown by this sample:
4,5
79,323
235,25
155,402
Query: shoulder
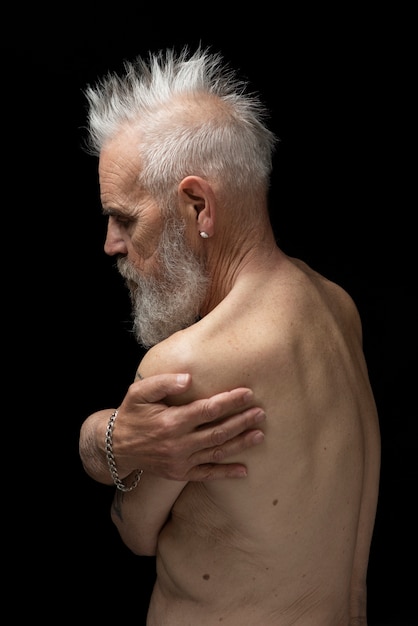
179,353
315,293
169,355
215,351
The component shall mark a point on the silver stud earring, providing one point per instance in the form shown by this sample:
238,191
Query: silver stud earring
203,234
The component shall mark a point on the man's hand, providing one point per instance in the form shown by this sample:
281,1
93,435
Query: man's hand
176,442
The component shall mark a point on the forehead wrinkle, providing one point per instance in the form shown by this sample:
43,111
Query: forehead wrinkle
119,170
120,159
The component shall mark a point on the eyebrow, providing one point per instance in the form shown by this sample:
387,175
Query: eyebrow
108,212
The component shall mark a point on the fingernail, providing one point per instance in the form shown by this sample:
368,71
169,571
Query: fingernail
248,396
260,416
258,437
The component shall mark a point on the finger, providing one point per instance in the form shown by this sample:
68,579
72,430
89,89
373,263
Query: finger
235,425
231,447
225,403
246,440
215,435
156,388
217,472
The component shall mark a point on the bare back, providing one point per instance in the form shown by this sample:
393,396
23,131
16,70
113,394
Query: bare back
290,543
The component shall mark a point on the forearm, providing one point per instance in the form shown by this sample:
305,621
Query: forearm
139,515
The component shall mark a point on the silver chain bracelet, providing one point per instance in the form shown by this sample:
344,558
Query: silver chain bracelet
111,459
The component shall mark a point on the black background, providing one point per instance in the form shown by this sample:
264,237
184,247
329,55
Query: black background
339,88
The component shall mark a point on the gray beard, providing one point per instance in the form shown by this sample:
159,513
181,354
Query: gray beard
170,301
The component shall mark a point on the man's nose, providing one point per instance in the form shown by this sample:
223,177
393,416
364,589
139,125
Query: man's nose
114,243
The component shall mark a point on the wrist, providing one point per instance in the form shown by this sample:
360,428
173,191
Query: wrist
111,461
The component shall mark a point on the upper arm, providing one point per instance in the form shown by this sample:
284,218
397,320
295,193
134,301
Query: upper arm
173,355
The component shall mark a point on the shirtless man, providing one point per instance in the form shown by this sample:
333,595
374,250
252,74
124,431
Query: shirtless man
184,168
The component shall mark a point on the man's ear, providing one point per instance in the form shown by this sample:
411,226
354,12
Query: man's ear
197,200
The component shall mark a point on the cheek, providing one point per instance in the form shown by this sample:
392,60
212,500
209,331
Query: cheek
144,245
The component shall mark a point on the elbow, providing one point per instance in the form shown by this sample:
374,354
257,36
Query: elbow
139,545
142,549
139,541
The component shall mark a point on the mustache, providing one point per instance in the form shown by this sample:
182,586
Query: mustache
126,269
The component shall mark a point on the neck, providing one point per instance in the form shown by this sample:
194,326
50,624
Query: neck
226,270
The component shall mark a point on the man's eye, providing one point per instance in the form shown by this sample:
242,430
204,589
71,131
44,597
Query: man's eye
122,221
